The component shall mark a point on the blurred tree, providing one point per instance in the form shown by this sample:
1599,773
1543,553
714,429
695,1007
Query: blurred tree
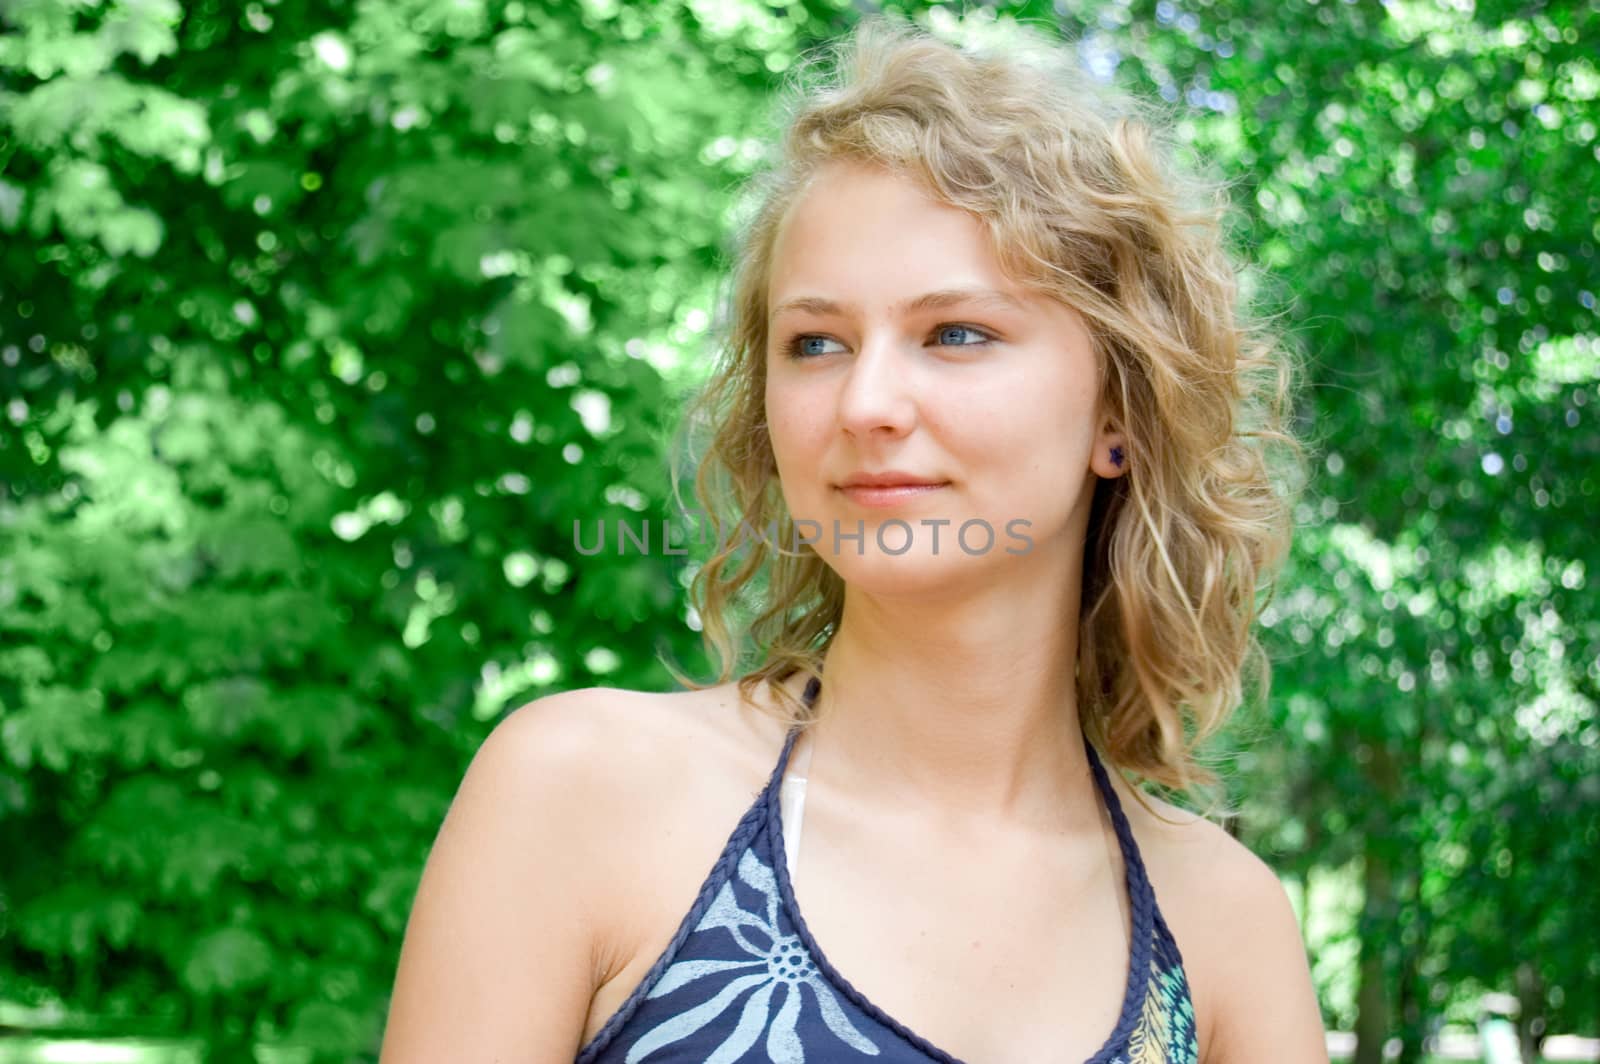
1419,176
320,325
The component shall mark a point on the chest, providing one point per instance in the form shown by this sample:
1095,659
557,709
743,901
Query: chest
994,950
919,945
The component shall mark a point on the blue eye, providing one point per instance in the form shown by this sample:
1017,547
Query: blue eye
964,328
796,349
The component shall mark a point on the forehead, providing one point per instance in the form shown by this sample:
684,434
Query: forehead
863,232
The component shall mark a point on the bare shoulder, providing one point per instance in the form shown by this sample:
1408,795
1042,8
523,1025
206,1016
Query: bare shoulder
590,736
527,888
578,751
626,740
1241,943
629,759
634,741
507,909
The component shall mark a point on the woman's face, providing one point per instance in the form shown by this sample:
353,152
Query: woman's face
876,363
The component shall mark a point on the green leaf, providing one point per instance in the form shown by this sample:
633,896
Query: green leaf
226,960
54,726
325,1027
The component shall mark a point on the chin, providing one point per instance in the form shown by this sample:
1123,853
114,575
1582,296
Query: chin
917,570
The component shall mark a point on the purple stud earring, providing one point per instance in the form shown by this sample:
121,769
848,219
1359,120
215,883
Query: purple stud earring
1116,457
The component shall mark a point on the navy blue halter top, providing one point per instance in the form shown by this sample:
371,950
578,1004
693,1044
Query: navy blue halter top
743,980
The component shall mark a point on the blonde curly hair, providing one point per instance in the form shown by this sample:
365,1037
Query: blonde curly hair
1079,191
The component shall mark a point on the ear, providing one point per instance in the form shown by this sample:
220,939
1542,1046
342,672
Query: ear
1110,458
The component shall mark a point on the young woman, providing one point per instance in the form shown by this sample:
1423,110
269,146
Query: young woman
987,370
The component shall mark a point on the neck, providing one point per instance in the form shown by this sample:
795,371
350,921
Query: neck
975,719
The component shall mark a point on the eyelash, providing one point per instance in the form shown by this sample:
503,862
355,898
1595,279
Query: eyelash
792,347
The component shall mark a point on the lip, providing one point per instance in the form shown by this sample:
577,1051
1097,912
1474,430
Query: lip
888,494
892,478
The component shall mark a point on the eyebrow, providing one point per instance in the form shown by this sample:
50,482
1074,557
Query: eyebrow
944,297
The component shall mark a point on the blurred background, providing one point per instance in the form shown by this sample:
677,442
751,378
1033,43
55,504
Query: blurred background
321,323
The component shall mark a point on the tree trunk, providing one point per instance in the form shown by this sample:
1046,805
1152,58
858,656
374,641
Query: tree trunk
1373,1019
1379,927
1531,1024
1412,1030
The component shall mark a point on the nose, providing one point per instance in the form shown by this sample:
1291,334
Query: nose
878,396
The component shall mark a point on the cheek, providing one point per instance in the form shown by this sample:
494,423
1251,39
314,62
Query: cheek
1047,416
789,429
1033,442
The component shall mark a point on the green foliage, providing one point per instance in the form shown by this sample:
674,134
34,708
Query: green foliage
321,325
1420,177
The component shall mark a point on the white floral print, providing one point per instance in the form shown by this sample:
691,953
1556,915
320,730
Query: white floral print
782,966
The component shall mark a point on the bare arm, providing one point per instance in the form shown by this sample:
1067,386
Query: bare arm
499,960
1268,1012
